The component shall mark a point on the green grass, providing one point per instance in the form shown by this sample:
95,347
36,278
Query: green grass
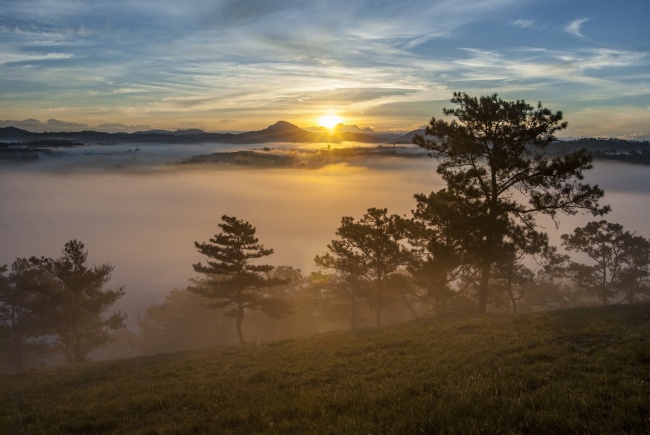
574,371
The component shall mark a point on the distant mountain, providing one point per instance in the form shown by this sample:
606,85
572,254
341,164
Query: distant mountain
408,137
383,136
620,150
118,128
57,126
14,134
281,131
598,144
187,132
343,127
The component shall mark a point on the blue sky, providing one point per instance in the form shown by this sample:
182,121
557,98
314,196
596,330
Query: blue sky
390,65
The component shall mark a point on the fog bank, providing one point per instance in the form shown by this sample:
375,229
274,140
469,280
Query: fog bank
145,222
144,219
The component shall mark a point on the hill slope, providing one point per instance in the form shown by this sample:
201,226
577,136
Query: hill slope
582,370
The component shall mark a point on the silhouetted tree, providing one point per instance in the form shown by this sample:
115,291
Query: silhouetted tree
300,321
78,301
371,250
233,280
551,288
619,261
510,276
551,294
179,323
444,238
494,153
336,296
22,310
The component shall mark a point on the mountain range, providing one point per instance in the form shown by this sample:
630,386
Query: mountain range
281,131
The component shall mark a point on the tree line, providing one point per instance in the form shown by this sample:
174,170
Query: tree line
472,242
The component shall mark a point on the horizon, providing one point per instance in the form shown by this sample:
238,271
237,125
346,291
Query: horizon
41,128
58,126
241,65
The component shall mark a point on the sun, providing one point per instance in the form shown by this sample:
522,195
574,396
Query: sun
330,121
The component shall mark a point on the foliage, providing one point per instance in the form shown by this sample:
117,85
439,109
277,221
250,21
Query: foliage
570,371
180,323
336,296
77,301
304,317
370,250
443,233
56,304
233,280
22,312
619,262
493,153
546,293
509,280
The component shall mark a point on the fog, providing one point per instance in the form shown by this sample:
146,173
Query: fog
627,191
141,212
143,219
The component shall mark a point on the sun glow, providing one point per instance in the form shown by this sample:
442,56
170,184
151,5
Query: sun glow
330,121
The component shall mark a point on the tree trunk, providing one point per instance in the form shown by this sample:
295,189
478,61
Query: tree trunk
378,300
354,308
604,299
17,353
411,309
486,268
512,298
510,294
78,354
240,319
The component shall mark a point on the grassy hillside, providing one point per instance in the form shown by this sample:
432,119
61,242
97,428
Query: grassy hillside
581,370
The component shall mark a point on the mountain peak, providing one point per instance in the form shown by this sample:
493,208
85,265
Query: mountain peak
282,126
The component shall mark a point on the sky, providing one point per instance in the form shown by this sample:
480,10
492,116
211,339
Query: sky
227,65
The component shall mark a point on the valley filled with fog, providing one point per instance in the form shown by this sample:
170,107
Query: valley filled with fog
138,208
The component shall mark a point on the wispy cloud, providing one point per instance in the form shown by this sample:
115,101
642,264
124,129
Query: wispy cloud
526,24
575,27
7,58
252,61
565,65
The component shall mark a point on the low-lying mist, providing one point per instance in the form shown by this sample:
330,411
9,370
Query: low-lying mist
144,222
143,218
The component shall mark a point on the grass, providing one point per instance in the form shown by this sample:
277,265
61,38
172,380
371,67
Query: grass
574,371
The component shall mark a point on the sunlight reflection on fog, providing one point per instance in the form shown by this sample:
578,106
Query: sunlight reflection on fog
145,222
145,219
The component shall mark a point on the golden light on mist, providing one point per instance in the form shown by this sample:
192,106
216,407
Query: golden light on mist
330,121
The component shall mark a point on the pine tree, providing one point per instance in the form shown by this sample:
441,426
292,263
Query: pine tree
494,153
233,279
444,235
371,250
23,308
78,301
618,264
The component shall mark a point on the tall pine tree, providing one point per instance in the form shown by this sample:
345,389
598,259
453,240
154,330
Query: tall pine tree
493,156
233,279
